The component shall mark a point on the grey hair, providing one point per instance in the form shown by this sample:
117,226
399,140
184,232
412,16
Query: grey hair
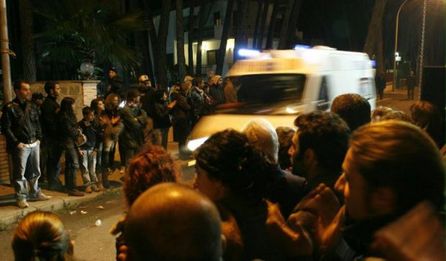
262,135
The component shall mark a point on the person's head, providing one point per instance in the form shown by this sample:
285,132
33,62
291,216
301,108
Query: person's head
197,81
150,167
422,113
133,96
188,79
41,235
97,105
353,109
321,141
173,222
88,114
112,101
52,89
226,163
22,90
285,135
144,80
262,136
112,73
389,168
67,105
38,98
380,112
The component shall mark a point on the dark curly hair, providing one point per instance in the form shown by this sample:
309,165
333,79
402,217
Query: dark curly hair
353,108
152,166
228,157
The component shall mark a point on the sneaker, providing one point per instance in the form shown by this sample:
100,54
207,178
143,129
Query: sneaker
40,197
21,203
88,189
75,193
94,188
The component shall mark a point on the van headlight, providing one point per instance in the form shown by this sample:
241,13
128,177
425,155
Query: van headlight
192,145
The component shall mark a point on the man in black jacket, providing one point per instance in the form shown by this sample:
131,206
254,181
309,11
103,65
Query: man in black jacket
50,132
21,126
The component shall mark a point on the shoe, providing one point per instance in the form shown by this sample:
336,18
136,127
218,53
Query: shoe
40,197
88,189
21,203
100,187
94,188
56,187
75,193
105,181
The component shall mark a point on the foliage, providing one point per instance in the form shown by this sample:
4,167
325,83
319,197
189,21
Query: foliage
75,31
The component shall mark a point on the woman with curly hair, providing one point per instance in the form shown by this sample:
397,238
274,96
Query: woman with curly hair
42,236
150,167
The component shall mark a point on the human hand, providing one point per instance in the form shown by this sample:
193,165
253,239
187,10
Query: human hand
21,145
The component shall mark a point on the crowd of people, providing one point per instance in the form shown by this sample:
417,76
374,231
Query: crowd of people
348,184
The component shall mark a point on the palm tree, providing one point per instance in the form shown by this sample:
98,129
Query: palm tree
84,30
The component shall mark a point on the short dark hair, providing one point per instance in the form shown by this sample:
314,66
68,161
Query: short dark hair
132,94
18,84
94,103
50,85
37,96
422,113
285,135
86,110
326,134
353,108
400,156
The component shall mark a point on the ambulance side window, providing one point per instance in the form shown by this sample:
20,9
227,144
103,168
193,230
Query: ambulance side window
323,100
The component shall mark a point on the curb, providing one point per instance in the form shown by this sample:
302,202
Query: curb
56,203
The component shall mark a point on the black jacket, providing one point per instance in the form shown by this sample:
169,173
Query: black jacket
91,131
49,109
21,123
68,128
134,121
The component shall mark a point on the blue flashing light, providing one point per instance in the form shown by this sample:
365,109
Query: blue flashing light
248,53
301,46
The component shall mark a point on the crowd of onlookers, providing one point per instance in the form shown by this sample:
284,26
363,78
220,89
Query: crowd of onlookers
349,184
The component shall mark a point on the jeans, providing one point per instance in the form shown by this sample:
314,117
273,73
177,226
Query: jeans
54,153
160,137
108,154
99,157
128,154
26,170
88,167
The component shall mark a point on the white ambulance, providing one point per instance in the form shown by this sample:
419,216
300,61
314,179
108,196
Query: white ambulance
278,85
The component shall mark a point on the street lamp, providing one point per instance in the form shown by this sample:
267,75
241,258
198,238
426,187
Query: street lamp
396,44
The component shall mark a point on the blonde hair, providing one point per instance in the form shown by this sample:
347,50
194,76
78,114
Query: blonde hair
262,136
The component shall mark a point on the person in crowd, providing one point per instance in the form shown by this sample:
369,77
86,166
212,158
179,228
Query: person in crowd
233,175
50,131
147,92
353,108
111,122
37,98
285,135
198,100
411,82
161,118
97,105
153,165
284,187
151,219
318,147
216,91
380,84
134,120
88,150
21,127
382,113
41,235
111,84
425,115
181,120
230,91
69,138
388,196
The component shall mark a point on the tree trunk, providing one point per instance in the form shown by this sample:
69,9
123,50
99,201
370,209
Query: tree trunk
283,41
374,44
256,28
224,37
162,41
272,25
190,38
153,42
27,40
293,22
262,25
240,37
180,40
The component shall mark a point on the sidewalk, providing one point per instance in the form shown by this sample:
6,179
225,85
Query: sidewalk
11,214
